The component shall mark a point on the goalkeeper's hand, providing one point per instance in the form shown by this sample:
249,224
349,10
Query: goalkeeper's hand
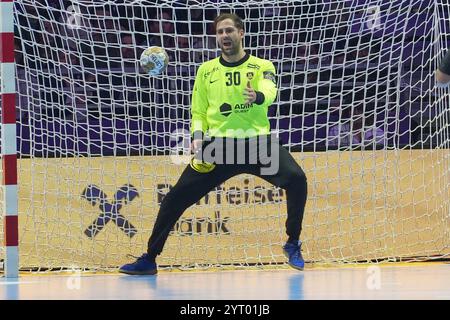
249,94
442,79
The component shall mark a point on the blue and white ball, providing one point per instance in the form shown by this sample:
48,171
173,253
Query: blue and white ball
154,60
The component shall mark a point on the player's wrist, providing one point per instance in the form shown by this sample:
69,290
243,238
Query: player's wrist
196,141
259,97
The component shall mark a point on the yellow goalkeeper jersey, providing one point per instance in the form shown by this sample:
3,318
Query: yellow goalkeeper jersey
218,102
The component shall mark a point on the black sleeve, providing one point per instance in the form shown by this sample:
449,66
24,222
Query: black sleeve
445,64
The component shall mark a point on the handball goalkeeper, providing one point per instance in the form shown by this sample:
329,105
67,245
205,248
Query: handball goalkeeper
230,101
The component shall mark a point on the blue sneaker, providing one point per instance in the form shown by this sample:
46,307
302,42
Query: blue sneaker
142,266
294,253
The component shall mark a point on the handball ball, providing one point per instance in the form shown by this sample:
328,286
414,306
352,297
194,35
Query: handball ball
154,60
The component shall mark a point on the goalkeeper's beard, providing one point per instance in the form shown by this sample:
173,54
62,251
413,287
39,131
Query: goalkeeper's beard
233,50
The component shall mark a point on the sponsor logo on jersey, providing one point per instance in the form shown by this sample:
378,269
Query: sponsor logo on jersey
253,66
270,76
225,109
210,73
242,107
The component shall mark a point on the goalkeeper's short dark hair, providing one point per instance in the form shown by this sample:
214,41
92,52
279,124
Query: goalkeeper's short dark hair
234,17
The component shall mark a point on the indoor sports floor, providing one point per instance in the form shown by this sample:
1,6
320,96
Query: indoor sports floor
389,281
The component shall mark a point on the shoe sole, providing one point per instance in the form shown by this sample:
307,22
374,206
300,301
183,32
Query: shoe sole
291,265
137,273
295,267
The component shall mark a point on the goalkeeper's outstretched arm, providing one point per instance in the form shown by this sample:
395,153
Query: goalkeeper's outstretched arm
443,72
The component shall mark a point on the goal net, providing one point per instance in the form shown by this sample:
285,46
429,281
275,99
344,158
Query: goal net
100,142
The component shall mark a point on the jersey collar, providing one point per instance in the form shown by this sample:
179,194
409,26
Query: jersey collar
234,64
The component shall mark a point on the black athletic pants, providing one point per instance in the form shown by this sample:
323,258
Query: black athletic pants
193,185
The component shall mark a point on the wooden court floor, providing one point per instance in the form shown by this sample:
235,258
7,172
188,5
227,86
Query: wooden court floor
374,282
